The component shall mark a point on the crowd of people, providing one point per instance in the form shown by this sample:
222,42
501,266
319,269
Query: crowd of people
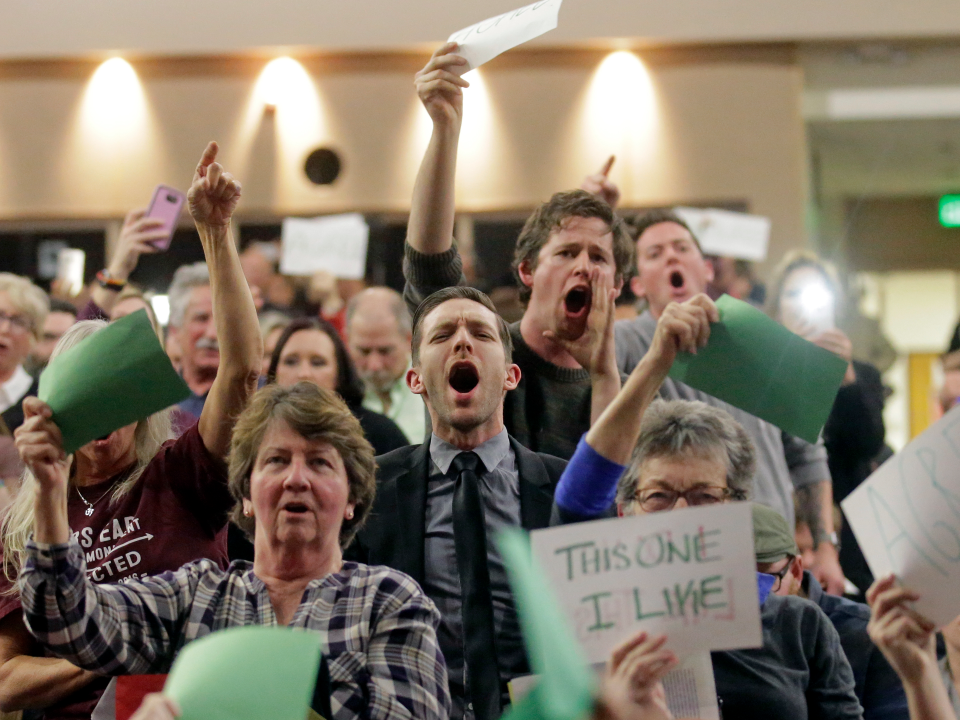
348,470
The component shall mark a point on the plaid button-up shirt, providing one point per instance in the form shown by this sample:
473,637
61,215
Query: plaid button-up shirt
377,628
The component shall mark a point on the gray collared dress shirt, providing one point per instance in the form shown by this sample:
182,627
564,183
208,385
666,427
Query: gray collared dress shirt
500,490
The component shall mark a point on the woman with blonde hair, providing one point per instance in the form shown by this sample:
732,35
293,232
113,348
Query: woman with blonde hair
138,502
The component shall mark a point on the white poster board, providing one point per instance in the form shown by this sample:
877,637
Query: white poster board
906,517
688,573
482,42
336,243
727,233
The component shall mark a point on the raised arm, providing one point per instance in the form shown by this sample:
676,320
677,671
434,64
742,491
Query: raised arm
906,639
213,197
588,484
440,88
681,327
136,238
430,261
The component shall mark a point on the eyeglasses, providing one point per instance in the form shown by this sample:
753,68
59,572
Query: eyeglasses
659,499
782,573
17,322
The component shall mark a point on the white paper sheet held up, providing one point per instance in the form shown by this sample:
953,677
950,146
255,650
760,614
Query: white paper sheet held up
484,41
726,233
689,573
906,517
337,243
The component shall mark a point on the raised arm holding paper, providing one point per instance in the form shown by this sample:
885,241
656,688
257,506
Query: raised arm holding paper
572,250
138,502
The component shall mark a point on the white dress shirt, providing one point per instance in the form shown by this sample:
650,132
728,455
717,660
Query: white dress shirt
13,390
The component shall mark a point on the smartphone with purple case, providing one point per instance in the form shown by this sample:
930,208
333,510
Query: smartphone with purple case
166,205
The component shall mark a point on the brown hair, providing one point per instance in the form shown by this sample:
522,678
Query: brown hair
552,215
457,292
317,415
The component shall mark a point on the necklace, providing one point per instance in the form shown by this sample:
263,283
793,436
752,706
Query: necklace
89,511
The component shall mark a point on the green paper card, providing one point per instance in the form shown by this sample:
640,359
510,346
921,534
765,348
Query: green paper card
115,377
567,685
246,673
757,365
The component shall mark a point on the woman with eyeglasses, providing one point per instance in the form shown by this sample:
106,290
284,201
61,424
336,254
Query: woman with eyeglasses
646,456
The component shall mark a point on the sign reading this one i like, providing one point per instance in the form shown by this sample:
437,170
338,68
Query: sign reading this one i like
689,574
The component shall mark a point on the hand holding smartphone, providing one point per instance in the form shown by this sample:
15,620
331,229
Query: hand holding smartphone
166,205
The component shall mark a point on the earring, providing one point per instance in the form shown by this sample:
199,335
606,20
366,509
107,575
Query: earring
247,512
350,514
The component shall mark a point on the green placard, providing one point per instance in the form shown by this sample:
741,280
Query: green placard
757,365
566,687
246,673
950,211
115,377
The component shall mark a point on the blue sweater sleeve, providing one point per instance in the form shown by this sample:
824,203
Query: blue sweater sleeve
588,485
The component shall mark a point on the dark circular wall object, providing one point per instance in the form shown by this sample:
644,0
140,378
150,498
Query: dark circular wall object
322,166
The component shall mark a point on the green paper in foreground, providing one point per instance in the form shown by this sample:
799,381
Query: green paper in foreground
757,365
566,687
115,377
246,673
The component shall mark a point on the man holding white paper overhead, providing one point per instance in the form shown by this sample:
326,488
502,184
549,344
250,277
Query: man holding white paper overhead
671,269
572,251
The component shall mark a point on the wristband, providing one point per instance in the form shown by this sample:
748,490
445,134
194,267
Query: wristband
108,282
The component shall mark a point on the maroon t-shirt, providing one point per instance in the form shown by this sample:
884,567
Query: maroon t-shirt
176,513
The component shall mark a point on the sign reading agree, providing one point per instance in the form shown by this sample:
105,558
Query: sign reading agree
906,517
689,573
484,41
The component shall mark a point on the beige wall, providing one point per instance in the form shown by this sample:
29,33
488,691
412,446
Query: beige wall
722,130
67,28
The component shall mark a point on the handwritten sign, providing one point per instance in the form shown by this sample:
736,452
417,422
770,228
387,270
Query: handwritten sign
336,243
729,234
906,517
689,573
482,42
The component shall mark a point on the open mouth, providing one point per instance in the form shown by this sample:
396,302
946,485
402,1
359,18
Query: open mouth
298,508
464,377
676,279
577,300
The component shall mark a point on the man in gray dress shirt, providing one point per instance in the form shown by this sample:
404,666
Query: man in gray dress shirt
462,368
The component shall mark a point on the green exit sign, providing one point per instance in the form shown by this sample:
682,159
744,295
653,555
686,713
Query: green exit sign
950,210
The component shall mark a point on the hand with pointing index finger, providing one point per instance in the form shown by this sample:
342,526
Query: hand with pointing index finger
214,194
600,184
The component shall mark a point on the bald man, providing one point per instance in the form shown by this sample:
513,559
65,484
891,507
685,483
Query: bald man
378,333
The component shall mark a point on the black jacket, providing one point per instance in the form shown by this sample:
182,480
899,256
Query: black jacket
394,533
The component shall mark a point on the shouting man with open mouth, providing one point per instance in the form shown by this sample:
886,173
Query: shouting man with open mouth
440,504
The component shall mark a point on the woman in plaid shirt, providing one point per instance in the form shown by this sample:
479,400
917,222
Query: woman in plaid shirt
303,476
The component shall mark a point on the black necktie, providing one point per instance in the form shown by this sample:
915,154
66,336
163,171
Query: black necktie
470,538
